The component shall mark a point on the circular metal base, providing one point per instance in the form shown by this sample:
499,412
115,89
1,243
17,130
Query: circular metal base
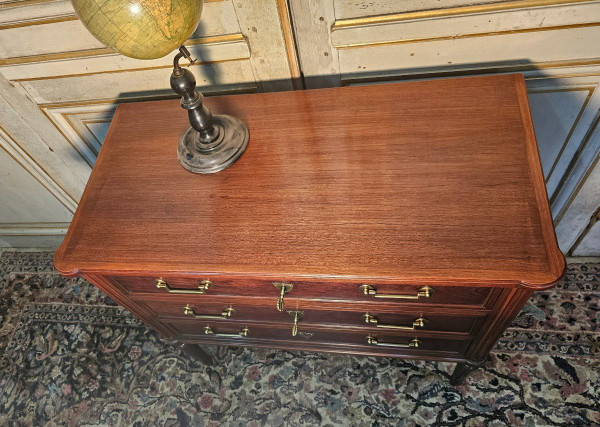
229,145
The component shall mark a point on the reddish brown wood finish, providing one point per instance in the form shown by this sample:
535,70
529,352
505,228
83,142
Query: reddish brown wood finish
413,182
442,295
355,320
397,186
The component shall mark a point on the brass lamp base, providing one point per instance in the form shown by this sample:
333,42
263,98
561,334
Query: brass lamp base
230,142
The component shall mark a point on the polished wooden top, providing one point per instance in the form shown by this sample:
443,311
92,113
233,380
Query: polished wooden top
433,181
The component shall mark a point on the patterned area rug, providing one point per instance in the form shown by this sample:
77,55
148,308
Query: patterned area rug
70,356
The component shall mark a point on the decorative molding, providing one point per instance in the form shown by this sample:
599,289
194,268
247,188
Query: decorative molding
38,21
590,90
467,36
583,179
290,43
595,218
34,229
62,116
20,3
59,56
124,70
35,170
453,11
484,69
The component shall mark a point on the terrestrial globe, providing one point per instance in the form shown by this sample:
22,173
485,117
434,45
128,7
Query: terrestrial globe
141,29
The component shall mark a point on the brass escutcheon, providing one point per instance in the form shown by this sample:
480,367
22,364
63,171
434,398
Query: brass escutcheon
297,315
284,288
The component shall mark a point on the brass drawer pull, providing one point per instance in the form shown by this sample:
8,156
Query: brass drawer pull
414,343
226,314
297,316
202,287
284,288
424,292
241,334
417,323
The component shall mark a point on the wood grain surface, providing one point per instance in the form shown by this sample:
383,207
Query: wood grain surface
420,182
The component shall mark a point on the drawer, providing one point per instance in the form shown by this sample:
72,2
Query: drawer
371,294
372,320
222,333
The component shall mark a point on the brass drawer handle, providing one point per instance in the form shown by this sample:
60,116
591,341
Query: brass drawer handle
417,323
297,316
226,314
202,287
284,288
241,334
414,343
424,292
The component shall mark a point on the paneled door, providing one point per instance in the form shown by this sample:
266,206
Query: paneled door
59,88
555,43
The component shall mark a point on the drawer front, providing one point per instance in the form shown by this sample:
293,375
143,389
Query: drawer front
368,320
222,333
371,294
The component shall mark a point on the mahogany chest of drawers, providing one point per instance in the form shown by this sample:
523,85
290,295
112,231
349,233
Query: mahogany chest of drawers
402,220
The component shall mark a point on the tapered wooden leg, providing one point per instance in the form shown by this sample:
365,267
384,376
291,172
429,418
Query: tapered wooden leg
462,371
193,350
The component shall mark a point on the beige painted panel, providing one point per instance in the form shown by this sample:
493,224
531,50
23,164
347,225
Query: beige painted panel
219,77
261,25
24,199
521,48
555,112
319,60
584,204
35,135
237,48
71,35
464,25
359,8
34,13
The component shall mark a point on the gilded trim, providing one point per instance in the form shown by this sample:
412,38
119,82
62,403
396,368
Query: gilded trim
69,104
88,144
38,21
57,56
590,90
290,43
454,11
78,54
8,144
467,36
125,70
21,3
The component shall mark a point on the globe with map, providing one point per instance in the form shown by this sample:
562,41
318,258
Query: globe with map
141,29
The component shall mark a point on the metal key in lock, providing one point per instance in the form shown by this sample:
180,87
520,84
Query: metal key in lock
284,288
297,315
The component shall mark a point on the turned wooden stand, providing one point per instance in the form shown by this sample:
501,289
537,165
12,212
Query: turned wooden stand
400,220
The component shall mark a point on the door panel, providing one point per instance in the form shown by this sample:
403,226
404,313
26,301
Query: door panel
65,85
553,42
